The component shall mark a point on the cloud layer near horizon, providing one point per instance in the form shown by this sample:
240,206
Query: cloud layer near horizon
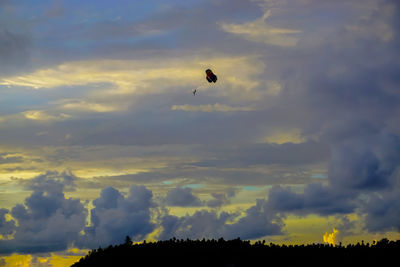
34,226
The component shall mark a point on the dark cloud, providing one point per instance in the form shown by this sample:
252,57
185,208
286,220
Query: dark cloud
114,217
4,159
53,181
245,155
257,222
202,224
359,168
383,212
182,196
363,178
351,104
218,200
109,198
14,51
346,226
316,199
48,221
15,40
366,163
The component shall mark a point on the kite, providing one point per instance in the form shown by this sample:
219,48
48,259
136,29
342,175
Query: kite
211,77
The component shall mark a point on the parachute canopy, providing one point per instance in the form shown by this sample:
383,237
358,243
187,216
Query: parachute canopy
211,77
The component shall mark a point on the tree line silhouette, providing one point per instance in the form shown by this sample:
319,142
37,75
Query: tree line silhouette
237,252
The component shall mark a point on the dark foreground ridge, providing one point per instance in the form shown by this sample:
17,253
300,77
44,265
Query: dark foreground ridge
236,252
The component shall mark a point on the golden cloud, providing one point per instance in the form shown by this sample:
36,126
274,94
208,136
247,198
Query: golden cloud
131,73
281,136
104,84
82,105
40,115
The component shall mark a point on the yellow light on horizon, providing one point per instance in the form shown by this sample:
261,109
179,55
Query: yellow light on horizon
330,238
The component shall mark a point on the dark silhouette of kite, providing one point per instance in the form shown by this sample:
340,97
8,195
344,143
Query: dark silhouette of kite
211,77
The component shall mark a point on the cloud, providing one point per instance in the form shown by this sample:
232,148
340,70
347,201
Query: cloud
256,223
14,50
285,136
202,224
131,76
259,221
183,197
53,181
38,221
82,105
34,226
15,40
220,199
362,168
6,158
316,199
250,154
259,31
105,84
376,24
368,163
114,217
44,116
354,115
211,108
382,212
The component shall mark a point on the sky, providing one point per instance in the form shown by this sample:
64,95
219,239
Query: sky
101,136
